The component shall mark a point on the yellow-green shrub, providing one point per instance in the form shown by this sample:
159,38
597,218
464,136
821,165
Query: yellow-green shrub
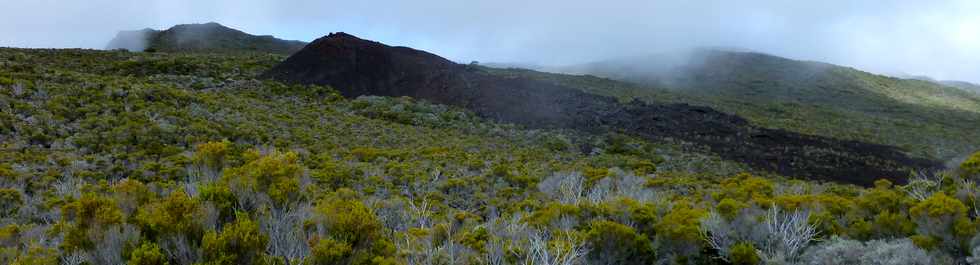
333,174
82,219
972,164
329,252
147,253
614,243
276,174
743,254
680,228
943,217
729,208
240,242
349,222
746,187
212,154
10,201
37,255
177,213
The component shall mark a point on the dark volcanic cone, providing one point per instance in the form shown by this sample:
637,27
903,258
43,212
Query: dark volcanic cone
359,67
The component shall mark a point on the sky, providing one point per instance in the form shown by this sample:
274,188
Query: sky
940,38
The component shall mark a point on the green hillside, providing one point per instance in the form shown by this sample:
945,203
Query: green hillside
209,37
963,85
925,118
113,157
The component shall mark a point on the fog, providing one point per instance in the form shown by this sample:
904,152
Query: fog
940,39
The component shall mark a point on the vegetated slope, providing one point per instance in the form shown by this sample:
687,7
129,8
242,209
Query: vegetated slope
110,157
926,118
963,85
209,37
359,67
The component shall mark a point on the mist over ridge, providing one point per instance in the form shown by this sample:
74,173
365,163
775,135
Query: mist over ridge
897,38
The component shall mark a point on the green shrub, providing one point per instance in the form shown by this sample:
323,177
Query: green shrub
730,208
83,219
746,187
175,214
37,255
147,253
972,164
220,196
744,254
10,201
329,252
614,243
943,217
349,222
276,174
679,229
240,242
212,154
333,174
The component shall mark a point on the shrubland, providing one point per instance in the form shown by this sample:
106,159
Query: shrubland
155,158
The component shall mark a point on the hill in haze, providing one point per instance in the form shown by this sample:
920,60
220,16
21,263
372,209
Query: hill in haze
963,85
927,118
209,37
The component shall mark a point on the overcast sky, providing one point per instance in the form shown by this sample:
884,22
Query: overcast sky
935,38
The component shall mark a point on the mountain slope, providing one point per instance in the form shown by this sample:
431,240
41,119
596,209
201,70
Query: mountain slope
929,119
359,67
209,37
756,76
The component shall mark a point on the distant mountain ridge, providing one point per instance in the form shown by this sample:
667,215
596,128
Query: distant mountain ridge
208,37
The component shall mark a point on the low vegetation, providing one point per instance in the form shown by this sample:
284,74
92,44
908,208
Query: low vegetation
155,158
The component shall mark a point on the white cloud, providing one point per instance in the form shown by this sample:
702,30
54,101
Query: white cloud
936,38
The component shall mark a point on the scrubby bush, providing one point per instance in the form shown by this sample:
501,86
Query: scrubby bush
240,242
344,222
175,214
83,220
894,252
971,166
745,187
329,251
744,254
333,174
37,255
209,159
147,254
276,175
614,243
10,202
724,234
943,218
834,251
875,252
679,230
